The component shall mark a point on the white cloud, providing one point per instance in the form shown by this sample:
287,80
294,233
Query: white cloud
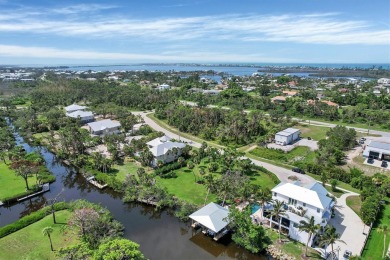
315,28
16,51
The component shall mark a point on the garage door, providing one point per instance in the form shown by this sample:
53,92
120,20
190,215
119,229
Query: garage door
374,155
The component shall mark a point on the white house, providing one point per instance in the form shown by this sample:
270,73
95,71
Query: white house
377,150
383,81
104,127
85,116
287,136
301,203
73,108
163,150
164,87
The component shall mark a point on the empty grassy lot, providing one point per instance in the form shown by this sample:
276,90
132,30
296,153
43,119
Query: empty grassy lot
29,242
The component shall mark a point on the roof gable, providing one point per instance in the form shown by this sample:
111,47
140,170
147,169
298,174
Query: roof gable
212,216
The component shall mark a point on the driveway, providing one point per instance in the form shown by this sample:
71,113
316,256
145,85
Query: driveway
303,142
349,226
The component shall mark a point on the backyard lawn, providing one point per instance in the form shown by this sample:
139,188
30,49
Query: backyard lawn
291,248
128,167
184,186
337,193
374,247
10,184
29,242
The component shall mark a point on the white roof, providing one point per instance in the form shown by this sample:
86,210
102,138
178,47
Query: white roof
162,145
288,132
212,216
103,124
305,195
74,107
80,113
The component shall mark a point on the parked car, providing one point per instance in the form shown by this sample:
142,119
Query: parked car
384,164
370,160
298,170
347,254
309,138
363,139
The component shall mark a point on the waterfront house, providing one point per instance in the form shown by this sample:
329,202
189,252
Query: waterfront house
212,219
104,127
301,203
164,149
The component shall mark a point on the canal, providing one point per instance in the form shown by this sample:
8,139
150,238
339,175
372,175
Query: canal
159,233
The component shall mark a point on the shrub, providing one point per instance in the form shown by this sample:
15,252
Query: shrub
168,168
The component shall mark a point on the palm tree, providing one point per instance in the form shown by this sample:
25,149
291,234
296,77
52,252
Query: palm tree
46,232
309,227
383,229
330,237
263,196
278,211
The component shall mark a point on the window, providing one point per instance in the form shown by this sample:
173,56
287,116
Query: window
275,194
318,210
304,204
292,201
295,225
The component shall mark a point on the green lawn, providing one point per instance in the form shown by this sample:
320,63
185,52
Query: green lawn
300,153
29,242
10,184
128,167
355,203
374,247
184,186
315,132
337,193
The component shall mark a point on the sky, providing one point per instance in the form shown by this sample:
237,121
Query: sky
199,31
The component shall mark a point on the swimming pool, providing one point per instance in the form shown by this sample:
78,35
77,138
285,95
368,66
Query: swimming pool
255,207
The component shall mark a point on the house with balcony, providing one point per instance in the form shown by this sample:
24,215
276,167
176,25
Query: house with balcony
164,149
301,203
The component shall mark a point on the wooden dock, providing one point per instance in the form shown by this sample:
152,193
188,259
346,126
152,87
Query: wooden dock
149,202
45,188
95,183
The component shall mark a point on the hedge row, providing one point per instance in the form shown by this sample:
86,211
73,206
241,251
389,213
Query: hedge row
14,198
30,219
168,168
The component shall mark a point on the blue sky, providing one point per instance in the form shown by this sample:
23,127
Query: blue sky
203,31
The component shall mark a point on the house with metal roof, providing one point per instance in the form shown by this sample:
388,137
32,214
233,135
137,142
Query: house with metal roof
213,220
377,150
164,149
287,136
73,108
301,203
84,116
104,127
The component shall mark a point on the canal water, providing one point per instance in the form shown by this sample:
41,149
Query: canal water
159,233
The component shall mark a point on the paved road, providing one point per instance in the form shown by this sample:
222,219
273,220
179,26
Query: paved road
346,222
280,172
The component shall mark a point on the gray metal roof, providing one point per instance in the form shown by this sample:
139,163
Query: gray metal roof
103,124
288,132
212,216
80,113
379,145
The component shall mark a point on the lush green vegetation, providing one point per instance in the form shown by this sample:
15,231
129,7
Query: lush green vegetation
374,247
336,192
29,243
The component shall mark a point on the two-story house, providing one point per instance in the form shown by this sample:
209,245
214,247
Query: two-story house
301,203
165,150
104,127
